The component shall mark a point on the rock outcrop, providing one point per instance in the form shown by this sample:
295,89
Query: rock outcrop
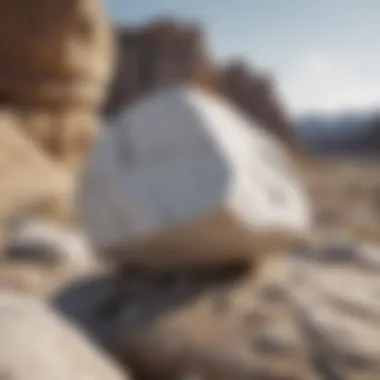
27,175
168,52
160,54
254,93
56,61
37,344
47,242
64,135
182,176
289,319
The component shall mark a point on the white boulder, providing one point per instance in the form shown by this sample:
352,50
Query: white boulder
48,242
182,176
36,344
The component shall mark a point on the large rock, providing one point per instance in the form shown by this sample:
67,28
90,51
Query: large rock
36,344
47,242
65,136
218,326
182,176
57,59
27,175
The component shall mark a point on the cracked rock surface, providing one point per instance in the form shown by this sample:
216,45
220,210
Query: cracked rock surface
304,314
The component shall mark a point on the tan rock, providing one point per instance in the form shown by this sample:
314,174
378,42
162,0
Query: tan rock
37,344
303,315
65,135
27,175
205,326
57,59
54,53
42,280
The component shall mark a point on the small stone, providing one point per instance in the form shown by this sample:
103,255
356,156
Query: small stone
269,344
340,252
47,242
274,293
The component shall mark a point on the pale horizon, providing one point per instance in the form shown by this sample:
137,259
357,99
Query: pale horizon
324,54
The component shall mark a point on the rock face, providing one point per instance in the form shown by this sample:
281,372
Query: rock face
210,327
160,54
289,319
63,135
36,344
55,67
54,53
182,176
170,52
27,175
254,94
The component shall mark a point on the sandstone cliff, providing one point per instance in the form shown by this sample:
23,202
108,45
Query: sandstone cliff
54,68
28,177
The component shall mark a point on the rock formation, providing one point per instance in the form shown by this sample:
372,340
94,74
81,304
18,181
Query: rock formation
27,174
182,176
168,52
47,242
37,344
56,59
254,93
289,319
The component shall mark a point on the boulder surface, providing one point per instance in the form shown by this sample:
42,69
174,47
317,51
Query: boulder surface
36,344
183,176
57,59
27,174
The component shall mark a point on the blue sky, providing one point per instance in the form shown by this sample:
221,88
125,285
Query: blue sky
325,54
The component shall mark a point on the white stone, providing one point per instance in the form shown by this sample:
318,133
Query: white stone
37,344
183,176
47,241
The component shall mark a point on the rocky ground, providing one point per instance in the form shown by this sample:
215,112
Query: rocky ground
346,197
310,311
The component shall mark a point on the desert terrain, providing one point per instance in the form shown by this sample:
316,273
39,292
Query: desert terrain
307,310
